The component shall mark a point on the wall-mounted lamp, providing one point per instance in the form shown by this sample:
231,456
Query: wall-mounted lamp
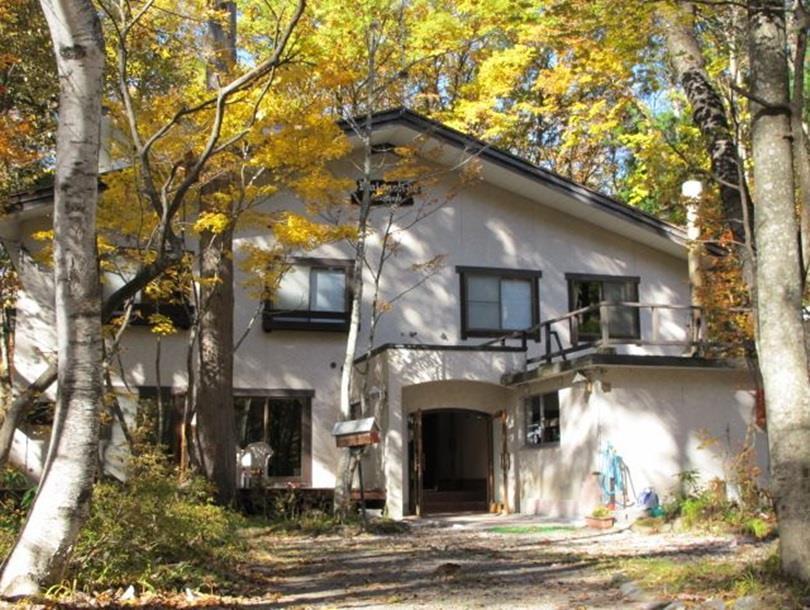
587,379
692,189
580,378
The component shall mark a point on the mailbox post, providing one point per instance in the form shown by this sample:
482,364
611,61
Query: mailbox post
357,434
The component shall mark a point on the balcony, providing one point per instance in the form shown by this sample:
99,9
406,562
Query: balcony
604,326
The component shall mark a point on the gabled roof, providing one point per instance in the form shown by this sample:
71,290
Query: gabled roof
578,196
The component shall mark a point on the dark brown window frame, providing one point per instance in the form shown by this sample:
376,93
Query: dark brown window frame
306,396
181,314
601,277
278,319
533,275
173,399
526,404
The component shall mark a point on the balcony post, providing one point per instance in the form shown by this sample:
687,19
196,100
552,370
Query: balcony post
604,325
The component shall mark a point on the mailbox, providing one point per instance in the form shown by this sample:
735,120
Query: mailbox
356,432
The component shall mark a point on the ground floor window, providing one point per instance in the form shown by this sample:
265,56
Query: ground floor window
161,409
542,419
282,420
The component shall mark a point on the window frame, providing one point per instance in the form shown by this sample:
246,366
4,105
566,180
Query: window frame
301,319
306,397
181,314
173,400
531,275
526,405
632,280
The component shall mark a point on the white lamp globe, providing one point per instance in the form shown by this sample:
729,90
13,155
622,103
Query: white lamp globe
692,189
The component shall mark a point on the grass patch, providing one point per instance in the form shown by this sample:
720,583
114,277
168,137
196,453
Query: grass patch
532,529
715,578
318,523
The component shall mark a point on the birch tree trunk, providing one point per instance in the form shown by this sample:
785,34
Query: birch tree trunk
346,463
709,115
801,155
783,358
61,504
215,449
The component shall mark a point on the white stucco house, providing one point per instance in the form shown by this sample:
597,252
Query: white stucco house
475,414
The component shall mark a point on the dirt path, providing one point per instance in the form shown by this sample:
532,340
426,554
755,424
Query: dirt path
446,564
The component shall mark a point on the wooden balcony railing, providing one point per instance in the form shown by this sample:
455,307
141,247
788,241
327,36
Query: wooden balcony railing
693,328
590,328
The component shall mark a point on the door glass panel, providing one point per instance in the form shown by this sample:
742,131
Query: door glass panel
293,292
551,418
516,304
328,290
585,294
483,315
284,437
482,288
121,272
249,420
534,420
483,302
622,320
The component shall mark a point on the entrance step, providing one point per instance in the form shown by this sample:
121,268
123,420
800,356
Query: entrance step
453,496
455,507
453,502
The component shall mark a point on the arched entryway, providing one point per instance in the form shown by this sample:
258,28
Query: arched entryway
450,456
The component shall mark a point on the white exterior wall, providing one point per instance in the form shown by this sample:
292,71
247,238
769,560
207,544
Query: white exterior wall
483,225
658,420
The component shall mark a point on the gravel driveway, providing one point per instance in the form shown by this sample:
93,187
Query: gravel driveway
469,562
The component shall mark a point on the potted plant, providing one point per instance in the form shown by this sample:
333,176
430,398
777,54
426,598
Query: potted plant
601,518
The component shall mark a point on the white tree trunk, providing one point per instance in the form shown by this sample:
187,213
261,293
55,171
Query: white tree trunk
346,463
783,359
61,504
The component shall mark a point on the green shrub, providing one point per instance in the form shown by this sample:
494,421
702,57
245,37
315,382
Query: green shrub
758,527
695,510
155,532
16,496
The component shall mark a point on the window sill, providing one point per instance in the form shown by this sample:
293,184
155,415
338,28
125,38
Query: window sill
180,315
306,321
494,334
597,338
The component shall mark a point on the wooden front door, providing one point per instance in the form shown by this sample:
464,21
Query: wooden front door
503,460
417,463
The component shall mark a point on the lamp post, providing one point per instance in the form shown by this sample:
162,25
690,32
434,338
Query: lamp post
691,193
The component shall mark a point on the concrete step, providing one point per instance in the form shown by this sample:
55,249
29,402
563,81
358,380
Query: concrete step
434,508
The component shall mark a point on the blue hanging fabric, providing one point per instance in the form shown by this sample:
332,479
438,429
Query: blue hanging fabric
611,474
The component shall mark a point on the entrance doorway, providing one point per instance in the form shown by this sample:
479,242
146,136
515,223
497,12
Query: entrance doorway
450,453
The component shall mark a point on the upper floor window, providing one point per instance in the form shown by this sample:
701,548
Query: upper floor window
313,295
590,290
282,420
495,302
542,419
168,295
387,192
